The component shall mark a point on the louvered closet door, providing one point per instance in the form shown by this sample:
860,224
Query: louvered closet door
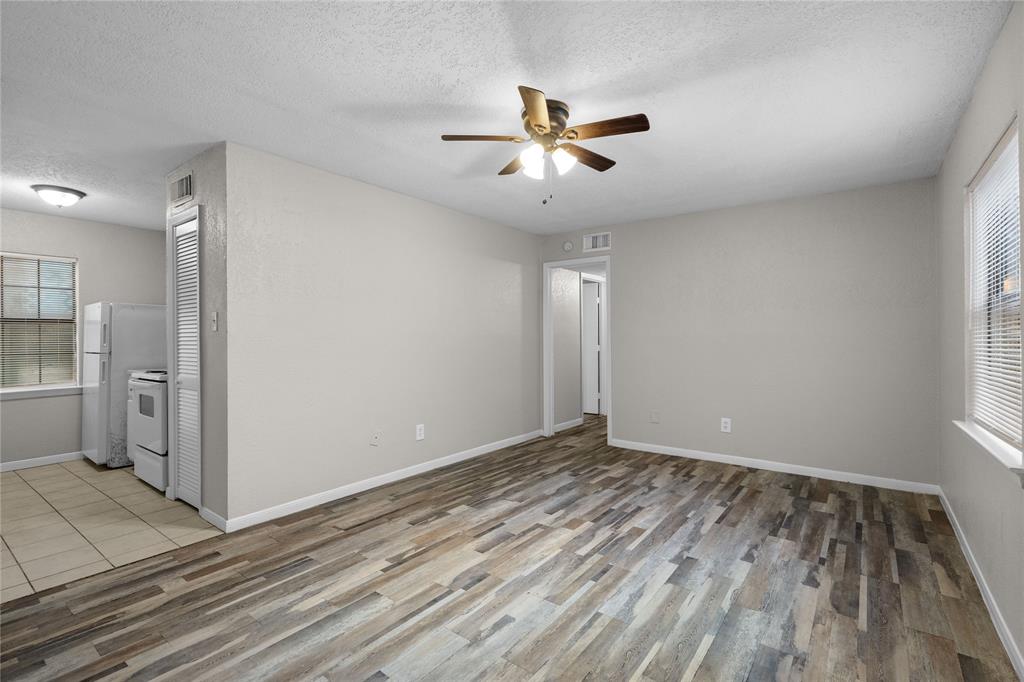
187,461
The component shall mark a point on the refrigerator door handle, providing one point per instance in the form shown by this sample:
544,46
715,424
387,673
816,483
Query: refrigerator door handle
103,335
103,371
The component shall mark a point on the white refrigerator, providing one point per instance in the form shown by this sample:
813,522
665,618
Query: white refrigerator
117,338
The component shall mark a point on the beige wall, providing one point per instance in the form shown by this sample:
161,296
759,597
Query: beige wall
115,263
355,309
986,498
209,188
565,327
37,427
810,322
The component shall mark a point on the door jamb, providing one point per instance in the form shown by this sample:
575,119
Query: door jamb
548,339
602,338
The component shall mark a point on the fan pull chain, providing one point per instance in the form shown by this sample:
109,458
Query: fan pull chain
548,173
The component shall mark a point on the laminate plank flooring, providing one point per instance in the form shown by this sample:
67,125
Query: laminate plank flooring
560,558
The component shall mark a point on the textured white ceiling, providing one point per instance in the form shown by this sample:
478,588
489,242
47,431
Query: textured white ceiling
747,101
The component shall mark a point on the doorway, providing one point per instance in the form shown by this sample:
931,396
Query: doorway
577,342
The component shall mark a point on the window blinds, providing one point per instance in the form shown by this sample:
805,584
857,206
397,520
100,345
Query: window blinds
994,331
37,321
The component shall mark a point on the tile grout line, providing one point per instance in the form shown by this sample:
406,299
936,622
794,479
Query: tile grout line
21,568
68,521
18,564
136,515
28,580
118,504
43,497
106,558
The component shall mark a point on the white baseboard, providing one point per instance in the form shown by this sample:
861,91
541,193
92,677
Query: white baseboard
214,518
301,504
40,461
783,467
568,425
1005,634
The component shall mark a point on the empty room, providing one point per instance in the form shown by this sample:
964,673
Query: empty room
518,341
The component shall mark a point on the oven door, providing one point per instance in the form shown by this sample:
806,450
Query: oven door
147,415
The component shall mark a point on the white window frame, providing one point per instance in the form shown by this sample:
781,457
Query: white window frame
995,442
72,387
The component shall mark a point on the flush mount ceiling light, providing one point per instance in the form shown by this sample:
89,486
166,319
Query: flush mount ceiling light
545,122
58,196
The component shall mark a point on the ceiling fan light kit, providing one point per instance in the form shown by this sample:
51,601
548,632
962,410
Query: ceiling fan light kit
545,121
564,161
532,159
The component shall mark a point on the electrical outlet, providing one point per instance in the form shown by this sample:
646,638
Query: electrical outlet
726,424
420,432
655,418
375,438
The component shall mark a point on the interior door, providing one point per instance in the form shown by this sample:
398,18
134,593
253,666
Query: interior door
590,346
185,446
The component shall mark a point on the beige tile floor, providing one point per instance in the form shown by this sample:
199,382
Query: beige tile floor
66,521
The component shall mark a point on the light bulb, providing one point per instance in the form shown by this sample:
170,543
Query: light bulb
58,196
563,160
534,152
534,169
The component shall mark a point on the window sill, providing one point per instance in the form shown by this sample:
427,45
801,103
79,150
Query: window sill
1004,453
29,392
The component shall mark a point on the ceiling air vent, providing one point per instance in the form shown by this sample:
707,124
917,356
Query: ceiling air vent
181,190
602,241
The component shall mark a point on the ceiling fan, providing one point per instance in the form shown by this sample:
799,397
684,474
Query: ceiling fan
545,123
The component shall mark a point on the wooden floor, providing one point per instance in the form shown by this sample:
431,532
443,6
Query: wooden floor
558,559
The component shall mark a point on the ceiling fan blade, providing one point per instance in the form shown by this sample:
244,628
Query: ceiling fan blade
536,109
513,166
481,138
637,123
587,157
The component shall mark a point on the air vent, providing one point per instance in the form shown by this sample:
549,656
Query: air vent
181,190
601,241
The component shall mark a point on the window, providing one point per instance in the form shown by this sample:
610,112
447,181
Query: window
994,331
38,342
